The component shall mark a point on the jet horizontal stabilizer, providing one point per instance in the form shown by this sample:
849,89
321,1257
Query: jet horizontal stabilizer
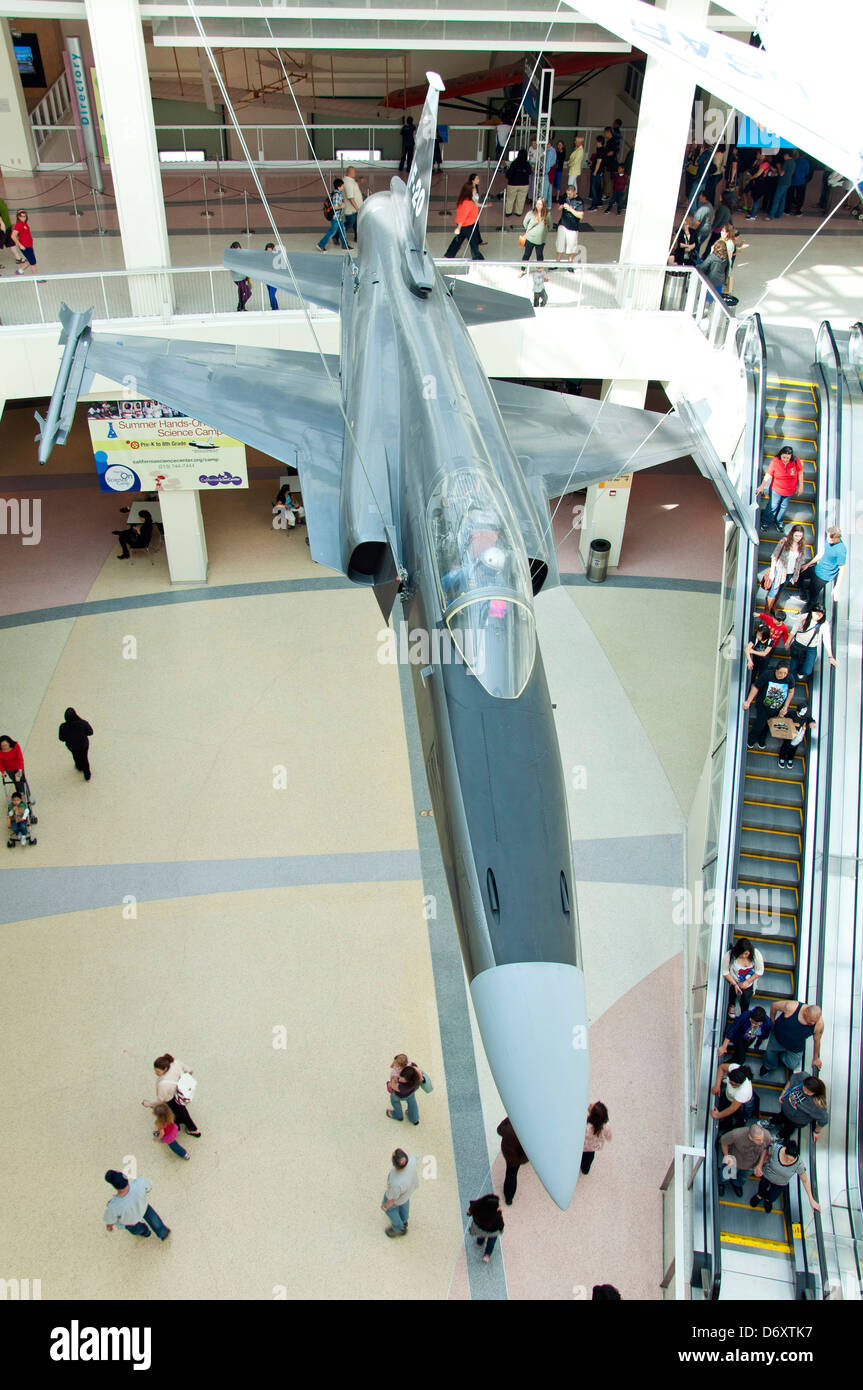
481,304
319,278
570,442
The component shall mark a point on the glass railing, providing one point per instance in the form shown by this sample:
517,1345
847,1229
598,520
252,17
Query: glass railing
287,146
676,1195
724,818
191,291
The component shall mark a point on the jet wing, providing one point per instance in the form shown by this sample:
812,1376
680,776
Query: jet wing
550,431
482,304
278,401
319,278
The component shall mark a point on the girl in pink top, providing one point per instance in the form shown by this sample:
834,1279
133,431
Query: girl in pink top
595,1134
167,1129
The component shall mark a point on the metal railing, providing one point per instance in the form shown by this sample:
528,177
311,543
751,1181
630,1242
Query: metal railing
46,117
197,290
288,146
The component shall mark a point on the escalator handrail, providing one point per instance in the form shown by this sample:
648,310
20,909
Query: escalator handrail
831,839
754,356
814,879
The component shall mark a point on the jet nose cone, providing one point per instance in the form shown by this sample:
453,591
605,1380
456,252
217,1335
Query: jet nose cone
533,1022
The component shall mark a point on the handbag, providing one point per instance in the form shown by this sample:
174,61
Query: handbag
522,241
426,1083
186,1087
782,727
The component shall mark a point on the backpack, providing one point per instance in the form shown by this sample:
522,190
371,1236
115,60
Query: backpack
186,1088
328,209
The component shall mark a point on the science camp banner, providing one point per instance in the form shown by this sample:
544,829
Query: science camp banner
143,446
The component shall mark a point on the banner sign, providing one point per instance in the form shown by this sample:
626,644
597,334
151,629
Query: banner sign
814,103
752,136
100,114
85,110
143,446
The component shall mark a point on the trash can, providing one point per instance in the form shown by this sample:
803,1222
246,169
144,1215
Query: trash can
674,289
597,561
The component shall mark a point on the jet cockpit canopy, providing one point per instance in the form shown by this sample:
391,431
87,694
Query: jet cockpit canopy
483,579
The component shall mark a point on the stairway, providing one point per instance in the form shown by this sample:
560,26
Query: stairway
771,842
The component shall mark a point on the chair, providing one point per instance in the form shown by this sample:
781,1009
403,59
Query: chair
153,549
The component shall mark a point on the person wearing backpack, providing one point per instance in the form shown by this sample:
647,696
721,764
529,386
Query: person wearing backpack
171,1077
335,204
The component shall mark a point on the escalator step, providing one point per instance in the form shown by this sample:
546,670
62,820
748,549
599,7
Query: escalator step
776,984
751,893
766,816
780,844
792,432
748,921
768,1094
778,954
767,786
765,762
770,870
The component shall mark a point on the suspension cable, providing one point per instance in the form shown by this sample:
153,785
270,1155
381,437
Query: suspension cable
526,89
389,531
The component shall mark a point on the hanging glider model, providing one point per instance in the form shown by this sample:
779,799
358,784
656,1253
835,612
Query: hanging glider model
429,483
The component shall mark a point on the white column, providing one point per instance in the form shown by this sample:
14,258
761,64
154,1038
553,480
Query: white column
660,143
606,504
124,88
16,135
185,541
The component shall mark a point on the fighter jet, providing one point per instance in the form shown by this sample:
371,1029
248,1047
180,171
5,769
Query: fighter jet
429,484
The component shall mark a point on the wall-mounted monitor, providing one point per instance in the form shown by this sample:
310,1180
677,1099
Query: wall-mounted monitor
29,60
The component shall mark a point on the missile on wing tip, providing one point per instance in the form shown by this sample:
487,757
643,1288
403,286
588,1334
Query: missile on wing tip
533,1023
54,429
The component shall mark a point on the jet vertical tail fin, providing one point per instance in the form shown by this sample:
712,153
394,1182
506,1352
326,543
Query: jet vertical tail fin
419,188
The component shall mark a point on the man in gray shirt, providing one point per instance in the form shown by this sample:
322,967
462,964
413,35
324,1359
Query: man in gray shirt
130,1208
702,221
776,1172
742,1151
402,1183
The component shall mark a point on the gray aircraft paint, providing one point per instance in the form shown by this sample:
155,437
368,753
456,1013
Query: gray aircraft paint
424,426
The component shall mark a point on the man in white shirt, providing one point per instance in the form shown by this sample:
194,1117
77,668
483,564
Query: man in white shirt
402,1183
129,1206
353,200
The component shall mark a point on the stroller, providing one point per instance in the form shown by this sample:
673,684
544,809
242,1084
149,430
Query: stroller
23,818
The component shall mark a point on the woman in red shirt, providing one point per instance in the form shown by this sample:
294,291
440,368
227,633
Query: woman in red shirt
23,239
466,221
11,758
783,480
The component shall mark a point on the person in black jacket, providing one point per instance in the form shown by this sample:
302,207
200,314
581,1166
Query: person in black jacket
517,180
514,1156
75,732
409,134
137,536
486,1222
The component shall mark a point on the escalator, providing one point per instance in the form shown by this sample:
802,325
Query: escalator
769,863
